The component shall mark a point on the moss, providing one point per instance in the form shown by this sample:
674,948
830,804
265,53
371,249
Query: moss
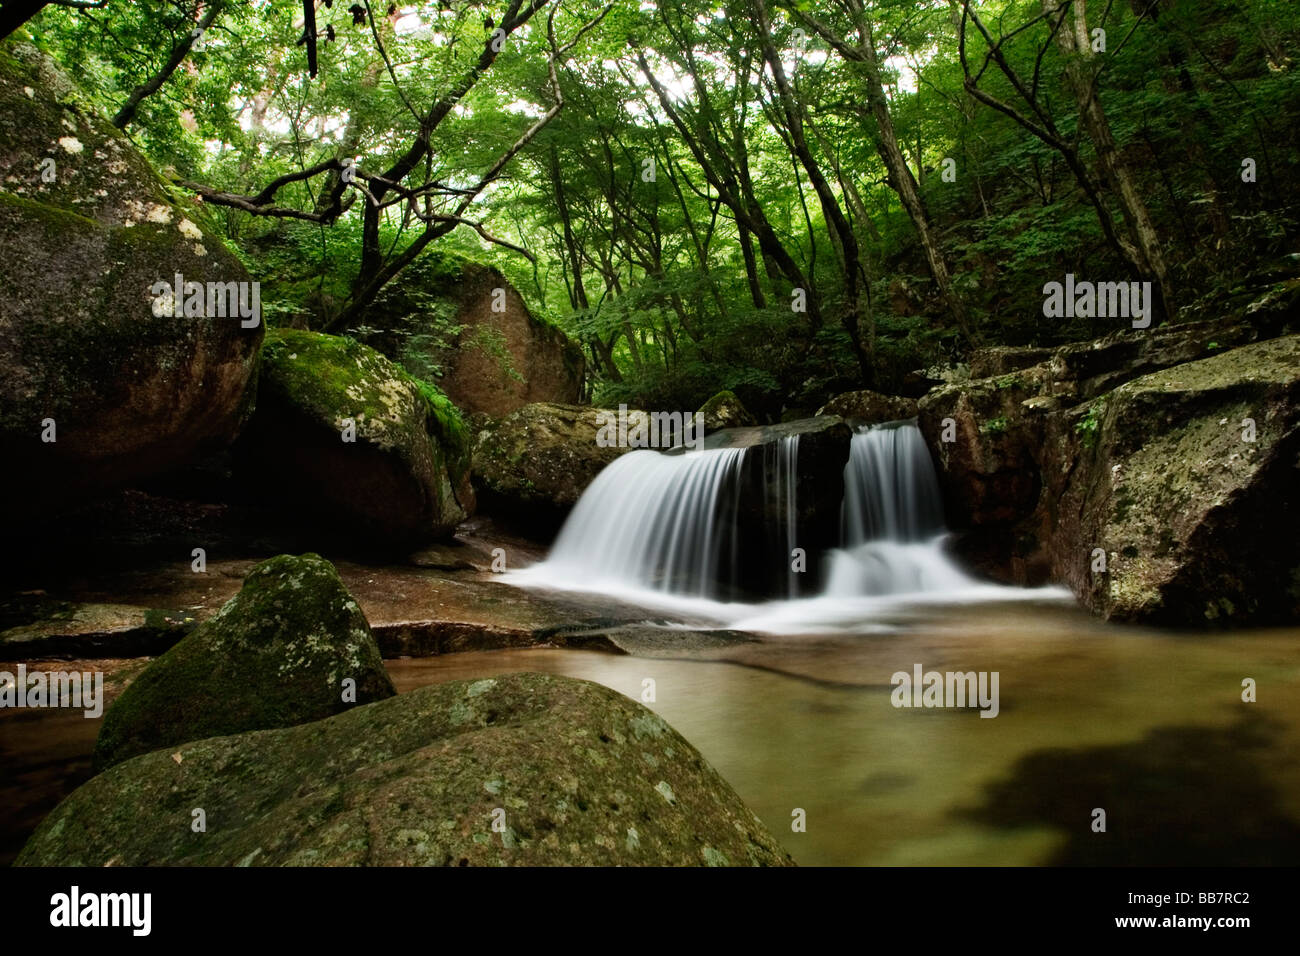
994,426
274,655
414,780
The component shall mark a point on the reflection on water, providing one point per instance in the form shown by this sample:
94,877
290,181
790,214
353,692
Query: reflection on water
1148,726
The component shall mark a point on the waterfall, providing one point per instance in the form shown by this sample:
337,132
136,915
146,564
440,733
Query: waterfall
700,529
652,521
890,489
785,491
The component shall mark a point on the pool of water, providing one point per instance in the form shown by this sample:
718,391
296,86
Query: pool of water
1149,727
1146,725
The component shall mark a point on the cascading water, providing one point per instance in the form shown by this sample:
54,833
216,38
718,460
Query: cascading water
890,489
651,521
668,528
892,519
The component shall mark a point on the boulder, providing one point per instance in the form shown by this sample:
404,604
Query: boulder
1135,448
870,408
275,655
725,410
809,454
576,773
90,231
1186,480
405,478
462,323
533,465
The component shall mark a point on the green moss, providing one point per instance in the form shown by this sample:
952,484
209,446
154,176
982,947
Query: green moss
994,426
273,656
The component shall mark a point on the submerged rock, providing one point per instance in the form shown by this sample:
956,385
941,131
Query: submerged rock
524,769
276,654
403,480
96,390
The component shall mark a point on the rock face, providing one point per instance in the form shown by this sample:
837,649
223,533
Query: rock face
89,230
464,319
275,655
1132,448
870,408
404,479
575,772
725,410
533,465
759,511
1187,482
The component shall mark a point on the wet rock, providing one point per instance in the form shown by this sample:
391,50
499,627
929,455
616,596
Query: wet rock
1186,481
757,515
870,408
1083,455
276,654
533,465
573,773
47,629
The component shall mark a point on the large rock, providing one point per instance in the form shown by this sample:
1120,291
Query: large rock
1194,507
807,455
275,655
89,228
991,468
870,408
725,410
1093,449
533,465
575,773
405,478
465,323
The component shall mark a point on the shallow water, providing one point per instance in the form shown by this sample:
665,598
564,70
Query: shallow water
1148,726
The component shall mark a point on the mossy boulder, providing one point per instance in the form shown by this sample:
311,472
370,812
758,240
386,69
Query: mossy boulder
870,408
571,772
89,229
1044,466
405,477
464,322
1186,480
276,654
725,410
533,465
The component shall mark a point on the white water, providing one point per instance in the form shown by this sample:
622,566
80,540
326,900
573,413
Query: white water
647,531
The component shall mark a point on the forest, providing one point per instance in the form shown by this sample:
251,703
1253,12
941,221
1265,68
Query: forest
616,432
785,200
